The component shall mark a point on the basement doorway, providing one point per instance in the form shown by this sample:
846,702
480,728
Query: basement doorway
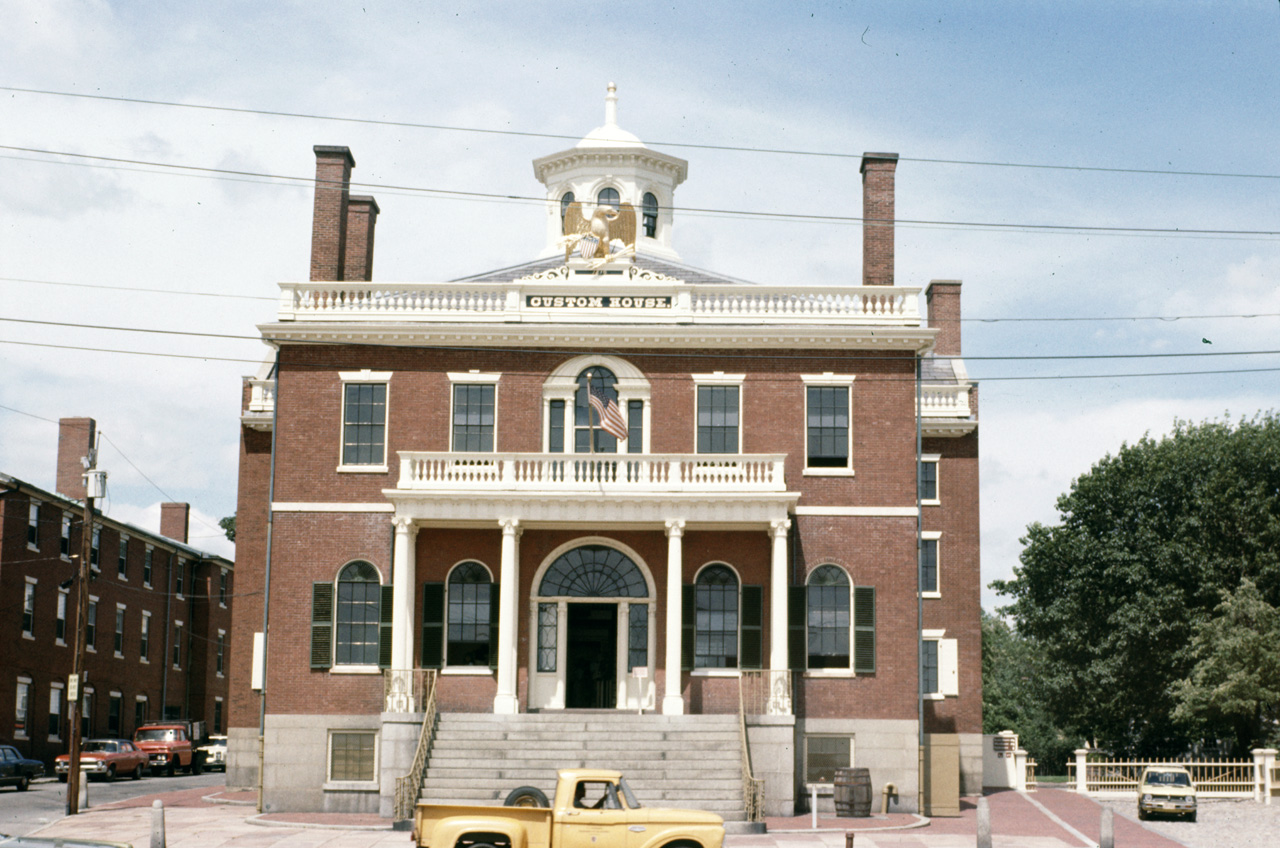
592,673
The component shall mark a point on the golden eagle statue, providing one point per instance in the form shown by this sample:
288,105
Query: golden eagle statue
594,237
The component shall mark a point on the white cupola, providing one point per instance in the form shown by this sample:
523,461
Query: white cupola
610,165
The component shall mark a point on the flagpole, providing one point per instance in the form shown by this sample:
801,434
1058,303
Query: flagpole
589,408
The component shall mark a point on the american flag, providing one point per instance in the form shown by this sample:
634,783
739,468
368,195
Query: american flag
610,416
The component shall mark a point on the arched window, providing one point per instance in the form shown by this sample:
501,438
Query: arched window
564,208
359,595
469,615
593,571
608,197
649,207
715,596
586,418
828,618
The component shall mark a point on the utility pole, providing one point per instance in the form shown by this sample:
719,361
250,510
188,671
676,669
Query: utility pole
95,483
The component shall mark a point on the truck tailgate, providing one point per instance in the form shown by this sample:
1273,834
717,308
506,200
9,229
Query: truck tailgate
535,820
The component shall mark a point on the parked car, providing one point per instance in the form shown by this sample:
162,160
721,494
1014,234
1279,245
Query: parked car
18,770
1166,790
105,758
215,752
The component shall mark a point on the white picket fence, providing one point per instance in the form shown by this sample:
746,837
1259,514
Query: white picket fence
1258,778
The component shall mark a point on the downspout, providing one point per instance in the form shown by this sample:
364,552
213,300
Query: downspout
919,587
168,636
266,583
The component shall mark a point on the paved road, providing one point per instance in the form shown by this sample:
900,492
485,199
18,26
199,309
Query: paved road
46,800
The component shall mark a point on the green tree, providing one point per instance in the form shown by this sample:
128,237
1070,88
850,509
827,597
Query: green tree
1116,593
1011,696
1236,676
228,526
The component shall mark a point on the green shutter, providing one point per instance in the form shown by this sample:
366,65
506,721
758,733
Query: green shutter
321,625
797,610
385,611
493,625
751,654
689,620
432,625
864,629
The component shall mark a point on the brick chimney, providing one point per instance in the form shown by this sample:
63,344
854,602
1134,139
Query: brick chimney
942,298
362,217
329,218
173,520
877,218
75,438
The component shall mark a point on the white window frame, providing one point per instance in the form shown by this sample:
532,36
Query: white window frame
364,376
933,536
146,710
179,579
474,378
115,695
95,550
826,379
64,597
144,634
718,379
29,597
838,671
369,785
24,684
65,539
453,668
804,764
33,523
93,605
222,587
61,701
119,630
630,384
177,646
219,657
948,665
122,566
936,459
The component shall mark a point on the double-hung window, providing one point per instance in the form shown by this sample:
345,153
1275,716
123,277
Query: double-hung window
831,624
65,544
722,621
60,621
929,583
33,526
828,430
364,420
351,621
929,479
719,413
144,644
91,626
119,636
474,420
29,608
21,706
122,559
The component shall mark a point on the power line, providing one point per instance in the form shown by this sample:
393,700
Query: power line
687,145
1005,320
796,217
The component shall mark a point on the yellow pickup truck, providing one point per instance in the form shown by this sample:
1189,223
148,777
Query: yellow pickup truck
592,808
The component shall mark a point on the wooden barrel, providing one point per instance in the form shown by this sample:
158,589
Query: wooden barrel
853,792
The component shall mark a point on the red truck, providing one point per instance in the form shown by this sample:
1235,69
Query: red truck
171,745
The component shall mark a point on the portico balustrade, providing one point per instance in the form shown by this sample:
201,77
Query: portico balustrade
638,473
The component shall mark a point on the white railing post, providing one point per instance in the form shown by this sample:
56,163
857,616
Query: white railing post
1082,775
1020,770
1264,762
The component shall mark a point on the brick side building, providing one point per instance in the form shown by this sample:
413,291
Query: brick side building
606,480
159,620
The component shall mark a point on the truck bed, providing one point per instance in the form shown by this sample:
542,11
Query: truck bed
536,820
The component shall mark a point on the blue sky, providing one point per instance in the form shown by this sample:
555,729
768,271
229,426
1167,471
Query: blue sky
1177,86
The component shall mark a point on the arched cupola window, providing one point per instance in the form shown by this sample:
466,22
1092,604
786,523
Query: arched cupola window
608,197
649,208
565,202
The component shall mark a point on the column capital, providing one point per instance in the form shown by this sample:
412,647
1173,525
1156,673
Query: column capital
510,526
675,527
404,524
779,527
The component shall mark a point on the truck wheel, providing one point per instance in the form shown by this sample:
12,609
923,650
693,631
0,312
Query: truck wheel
173,768
523,796
197,765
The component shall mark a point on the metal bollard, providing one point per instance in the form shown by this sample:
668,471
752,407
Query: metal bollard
813,805
984,824
848,839
1108,828
157,824
82,796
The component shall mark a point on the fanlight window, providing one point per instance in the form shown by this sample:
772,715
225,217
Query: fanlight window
649,207
608,197
565,202
594,571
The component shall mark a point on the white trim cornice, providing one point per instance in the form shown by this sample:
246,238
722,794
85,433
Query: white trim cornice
860,511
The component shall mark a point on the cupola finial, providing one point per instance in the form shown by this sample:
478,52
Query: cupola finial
611,106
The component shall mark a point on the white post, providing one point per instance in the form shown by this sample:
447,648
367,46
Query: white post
1264,761
779,697
1020,770
505,701
672,700
157,825
1082,781
403,570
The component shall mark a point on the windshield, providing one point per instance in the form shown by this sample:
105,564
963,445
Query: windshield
632,803
1168,778
99,745
157,735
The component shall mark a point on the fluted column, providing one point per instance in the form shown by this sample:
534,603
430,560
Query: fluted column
778,596
505,701
672,700
403,570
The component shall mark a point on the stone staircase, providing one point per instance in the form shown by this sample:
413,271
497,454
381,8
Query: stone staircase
693,762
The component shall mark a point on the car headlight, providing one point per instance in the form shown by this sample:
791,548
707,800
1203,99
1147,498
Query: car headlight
1146,799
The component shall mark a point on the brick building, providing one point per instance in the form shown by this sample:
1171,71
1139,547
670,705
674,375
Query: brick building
730,513
158,636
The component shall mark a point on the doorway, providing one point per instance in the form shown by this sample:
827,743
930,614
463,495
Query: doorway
592,654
